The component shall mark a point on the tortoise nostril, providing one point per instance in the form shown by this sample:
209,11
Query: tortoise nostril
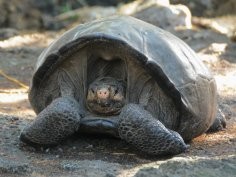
103,94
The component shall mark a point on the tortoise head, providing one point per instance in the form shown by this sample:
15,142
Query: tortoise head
106,96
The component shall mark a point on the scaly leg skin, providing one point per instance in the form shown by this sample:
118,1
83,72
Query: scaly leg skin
139,128
219,123
56,122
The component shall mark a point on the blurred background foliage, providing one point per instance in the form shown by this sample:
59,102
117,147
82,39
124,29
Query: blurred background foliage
55,7
36,14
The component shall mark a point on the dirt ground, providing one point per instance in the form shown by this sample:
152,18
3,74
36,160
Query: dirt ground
104,156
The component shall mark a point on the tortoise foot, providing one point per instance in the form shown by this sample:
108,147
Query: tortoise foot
219,123
139,128
56,122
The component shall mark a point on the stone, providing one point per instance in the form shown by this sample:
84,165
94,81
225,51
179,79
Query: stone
191,166
159,13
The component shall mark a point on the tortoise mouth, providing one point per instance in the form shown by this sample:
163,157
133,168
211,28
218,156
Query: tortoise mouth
105,107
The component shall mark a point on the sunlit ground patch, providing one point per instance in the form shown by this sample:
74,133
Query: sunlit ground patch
12,95
223,70
36,39
15,102
226,82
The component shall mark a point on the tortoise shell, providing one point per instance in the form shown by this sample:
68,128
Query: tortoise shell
174,65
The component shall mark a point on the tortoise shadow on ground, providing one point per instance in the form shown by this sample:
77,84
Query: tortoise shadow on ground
96,147
218,166
110,149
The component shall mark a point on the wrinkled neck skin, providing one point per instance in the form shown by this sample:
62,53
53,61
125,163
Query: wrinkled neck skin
100,68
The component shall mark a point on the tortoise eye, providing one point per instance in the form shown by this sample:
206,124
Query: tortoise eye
92,91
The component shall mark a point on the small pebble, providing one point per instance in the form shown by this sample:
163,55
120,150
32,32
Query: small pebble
13,126
14,118
89,146
47,150
60,149
110,175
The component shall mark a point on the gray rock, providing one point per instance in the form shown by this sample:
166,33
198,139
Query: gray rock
192,167
92,168
159,13
166,16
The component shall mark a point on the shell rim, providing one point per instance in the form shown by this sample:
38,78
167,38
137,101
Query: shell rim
52,60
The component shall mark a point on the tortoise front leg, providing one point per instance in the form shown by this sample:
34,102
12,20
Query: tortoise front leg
56,122
139,128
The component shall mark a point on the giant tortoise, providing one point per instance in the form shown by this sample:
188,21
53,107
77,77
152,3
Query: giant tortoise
126,78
